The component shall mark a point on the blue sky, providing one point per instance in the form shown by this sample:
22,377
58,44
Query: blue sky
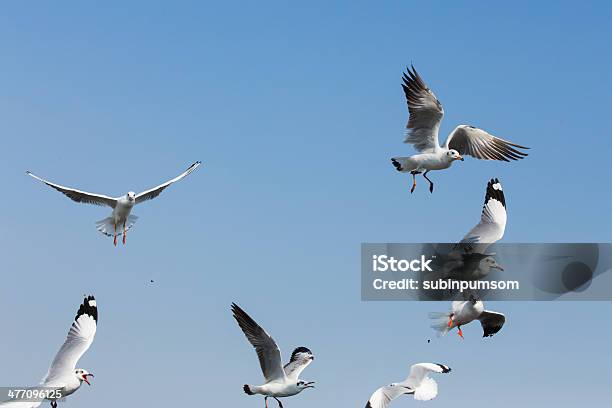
295,111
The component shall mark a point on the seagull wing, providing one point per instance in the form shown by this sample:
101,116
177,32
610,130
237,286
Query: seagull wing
491,322
425,388
492,223
383,396
300,359
79,339
78,195
267,350
20,404
425,111
155,191
471,141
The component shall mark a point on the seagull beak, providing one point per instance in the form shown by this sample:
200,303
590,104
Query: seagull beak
85,378
460,158
499,267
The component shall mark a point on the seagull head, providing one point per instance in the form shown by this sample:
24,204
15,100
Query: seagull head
131,196
82,375
489,263
453,155
302,385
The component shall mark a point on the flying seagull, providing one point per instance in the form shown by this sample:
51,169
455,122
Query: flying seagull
281,381
464,312
475,261
468,259
426,113
63,375
492,223
120,221
418,384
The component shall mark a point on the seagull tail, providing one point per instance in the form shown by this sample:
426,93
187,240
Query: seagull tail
247,389
403,164
440,325
107,225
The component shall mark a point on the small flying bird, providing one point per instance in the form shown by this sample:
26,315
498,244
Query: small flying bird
464,312
121,220
426,113
63,374
281,381
418,384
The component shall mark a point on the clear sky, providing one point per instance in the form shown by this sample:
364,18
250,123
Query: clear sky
295,110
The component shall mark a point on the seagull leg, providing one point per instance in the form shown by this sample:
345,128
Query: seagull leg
266,401
115,234
280,404
430,182
124,233
414,173
460,333
450,321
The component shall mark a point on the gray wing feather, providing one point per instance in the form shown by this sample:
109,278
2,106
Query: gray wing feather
471,141
78,195
155,191
267,350
425,111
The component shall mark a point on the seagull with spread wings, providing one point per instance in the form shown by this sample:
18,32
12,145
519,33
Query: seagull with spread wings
121,220
426,114
464,312
63,376
476,263
281,381
418,383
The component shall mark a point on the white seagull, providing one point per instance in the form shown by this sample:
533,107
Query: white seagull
466,312
281,381
63,374
426,113
469,259
418,384
122,206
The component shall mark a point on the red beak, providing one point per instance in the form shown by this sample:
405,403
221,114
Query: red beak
85,378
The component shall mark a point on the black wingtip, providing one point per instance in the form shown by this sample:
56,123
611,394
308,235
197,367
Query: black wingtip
88,307
495,192
299,350
235,308
241,316
445,369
